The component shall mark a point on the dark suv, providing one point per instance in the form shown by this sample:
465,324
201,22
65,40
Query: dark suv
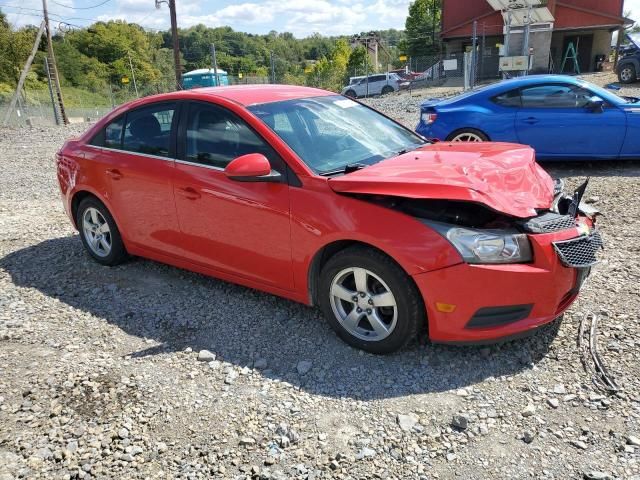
629,65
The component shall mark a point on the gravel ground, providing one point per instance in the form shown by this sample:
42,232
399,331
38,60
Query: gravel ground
148,371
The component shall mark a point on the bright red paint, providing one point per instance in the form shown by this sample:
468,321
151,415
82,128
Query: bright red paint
268,235
503,176
251,165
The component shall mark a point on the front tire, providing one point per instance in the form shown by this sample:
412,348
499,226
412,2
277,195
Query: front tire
386,89
467,135
369,301
627,73
350,93
99,233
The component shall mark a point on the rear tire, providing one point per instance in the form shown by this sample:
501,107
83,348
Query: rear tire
99,232
387,89
627,73
369,301
350,93
467,135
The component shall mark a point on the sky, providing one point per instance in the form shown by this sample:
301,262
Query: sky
300,17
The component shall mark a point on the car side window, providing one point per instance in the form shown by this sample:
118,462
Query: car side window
508,99
148,129
109,136
555,96
215,136
113,133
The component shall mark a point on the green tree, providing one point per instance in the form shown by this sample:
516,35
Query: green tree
422,28
357,62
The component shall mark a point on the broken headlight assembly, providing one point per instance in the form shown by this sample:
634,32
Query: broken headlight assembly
486,246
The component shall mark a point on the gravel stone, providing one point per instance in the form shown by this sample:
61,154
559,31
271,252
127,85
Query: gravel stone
407,422
529,410
460,422
304,366
206,356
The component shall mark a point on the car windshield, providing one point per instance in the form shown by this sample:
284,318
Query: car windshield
605,94
328,133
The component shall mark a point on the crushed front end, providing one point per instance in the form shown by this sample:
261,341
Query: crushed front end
480,301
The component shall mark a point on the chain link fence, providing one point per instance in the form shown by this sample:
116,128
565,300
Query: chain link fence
35,105
451,70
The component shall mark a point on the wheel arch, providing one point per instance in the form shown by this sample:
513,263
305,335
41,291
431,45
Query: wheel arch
460,130
321,257
633,61
80,195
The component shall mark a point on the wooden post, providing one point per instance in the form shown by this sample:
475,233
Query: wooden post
23,75
176,44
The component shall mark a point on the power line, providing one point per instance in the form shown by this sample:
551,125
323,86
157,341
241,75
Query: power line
80,8
63,19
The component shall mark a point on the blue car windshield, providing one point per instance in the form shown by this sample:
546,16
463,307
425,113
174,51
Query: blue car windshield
605,94
331,132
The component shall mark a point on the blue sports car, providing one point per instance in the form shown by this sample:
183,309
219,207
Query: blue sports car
561,117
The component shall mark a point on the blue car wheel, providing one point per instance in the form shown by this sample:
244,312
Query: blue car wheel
467,135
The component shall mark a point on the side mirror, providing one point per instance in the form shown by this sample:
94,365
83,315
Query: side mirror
253,167
595,104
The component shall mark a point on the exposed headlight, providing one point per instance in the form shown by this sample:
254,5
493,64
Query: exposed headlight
487,246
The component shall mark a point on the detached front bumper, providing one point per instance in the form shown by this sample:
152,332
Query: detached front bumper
483,303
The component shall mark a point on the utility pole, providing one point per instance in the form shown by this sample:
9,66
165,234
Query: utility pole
174,38
474,54
176,44
525,42
53,69
23,75
366,64
616,55
273,70
133,75
214,62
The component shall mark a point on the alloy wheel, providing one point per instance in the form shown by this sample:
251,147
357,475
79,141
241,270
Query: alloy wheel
467,137
363,304
626,74
96,232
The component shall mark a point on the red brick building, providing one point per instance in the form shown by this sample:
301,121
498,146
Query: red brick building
588,24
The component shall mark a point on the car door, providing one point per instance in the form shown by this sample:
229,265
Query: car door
376,84
139,147
555,119
242,228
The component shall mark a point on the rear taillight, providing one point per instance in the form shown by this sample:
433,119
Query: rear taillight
428,117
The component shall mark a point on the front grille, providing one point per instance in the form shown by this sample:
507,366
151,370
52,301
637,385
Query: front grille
579,252
549,222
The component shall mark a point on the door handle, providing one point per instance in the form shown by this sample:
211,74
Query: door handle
531,120
189,193
114,173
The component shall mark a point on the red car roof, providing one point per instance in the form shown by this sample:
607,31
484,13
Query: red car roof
252,94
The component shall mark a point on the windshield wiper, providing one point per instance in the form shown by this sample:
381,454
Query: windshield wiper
348,168
408,149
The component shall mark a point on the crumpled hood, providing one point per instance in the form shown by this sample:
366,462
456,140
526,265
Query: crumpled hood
505,177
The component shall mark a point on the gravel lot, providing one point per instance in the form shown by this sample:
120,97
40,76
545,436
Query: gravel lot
104,373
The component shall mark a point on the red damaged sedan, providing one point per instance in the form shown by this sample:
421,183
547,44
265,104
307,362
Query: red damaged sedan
317,198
